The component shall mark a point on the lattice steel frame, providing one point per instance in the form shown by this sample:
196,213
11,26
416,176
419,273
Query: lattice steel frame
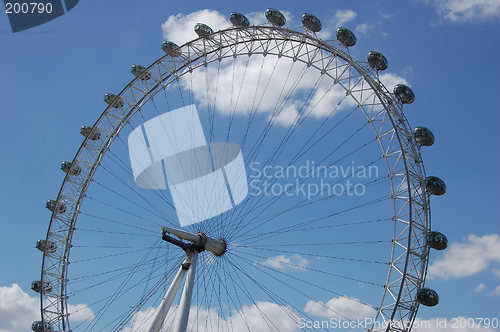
383,111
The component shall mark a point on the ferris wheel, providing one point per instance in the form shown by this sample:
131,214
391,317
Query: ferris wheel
256,178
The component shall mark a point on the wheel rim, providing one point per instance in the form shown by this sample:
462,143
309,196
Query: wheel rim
411,207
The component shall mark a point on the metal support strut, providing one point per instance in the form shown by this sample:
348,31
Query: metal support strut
198,243
185,304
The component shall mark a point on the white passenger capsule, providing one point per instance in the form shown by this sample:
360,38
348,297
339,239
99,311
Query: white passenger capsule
87,131
38,326
404,93
346,37
171,48
436,240
275,17
427,297
202,30
140,72
239,20
55,207
48,246
68,168
435,185
377,61
311,22
113,100
423,136
39,288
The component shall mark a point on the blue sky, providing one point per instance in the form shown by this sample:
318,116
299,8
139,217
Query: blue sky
54,77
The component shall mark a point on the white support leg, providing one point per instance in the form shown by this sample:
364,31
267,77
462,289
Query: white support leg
199,243
164,307
185,303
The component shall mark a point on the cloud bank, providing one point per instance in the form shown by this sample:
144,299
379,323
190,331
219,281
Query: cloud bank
18,310
459,11
463,259
284,90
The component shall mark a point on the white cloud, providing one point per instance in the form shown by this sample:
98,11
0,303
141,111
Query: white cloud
467,258
280,317
384,16
288,116
343,16
479,288
373,26
496,291
264,316
80,312
259,18
407,72
363,29
390,80
18,310
248,83
180,28
257,317
256,18
326,98
256,83
339,307
281,262
141,321
284,90
246,87
468,10
337,20
448,324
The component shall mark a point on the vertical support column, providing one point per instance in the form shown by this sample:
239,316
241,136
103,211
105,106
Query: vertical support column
164,307
185,303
